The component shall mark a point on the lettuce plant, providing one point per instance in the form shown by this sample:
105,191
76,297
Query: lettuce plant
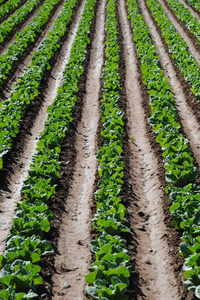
195,4
180,172
17,18
26,89
25,245
111,269
178,47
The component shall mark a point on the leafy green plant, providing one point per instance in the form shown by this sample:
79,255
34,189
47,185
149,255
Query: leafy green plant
195,4
18,17
1,1
26,89
110,272
23,39
25,244
9,6
177,46
180,172
186,17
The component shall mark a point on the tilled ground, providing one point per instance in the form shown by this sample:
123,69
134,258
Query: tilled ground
153,243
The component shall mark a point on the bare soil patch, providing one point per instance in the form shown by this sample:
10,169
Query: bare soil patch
18,68
193,44
8,13
153,243
10,38
16,163
74,257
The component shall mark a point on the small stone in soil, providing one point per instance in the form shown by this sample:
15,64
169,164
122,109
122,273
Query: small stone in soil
141,214
142,228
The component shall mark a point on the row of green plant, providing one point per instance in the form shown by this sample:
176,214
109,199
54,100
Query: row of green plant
17,18
25,38
9,6
110,271
195,4
180,172
186,17
25,245
2,1
177,47
26,89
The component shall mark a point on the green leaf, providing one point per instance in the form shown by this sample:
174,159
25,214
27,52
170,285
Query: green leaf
99,283
38,280
197,292
35,257
7,279
174,206
184,250
1,162
92,291
90,278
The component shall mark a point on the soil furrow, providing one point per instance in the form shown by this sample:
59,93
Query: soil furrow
11,193
153,261
188,33
11,38
8,13
191,9
187,36
188,118
19,68
73,246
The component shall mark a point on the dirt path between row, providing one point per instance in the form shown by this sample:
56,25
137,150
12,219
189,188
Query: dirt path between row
193,45
11,38
153,261
156,263
190,37
8,13
191,9
19,70
12,194
74,256
182,96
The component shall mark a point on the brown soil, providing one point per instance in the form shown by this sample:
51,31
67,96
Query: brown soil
153,262
17,163
153,243
18,68
188,114
74,257
10,38
7,14
187,36
191,9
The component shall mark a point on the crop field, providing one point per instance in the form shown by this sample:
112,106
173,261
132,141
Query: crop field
100,149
